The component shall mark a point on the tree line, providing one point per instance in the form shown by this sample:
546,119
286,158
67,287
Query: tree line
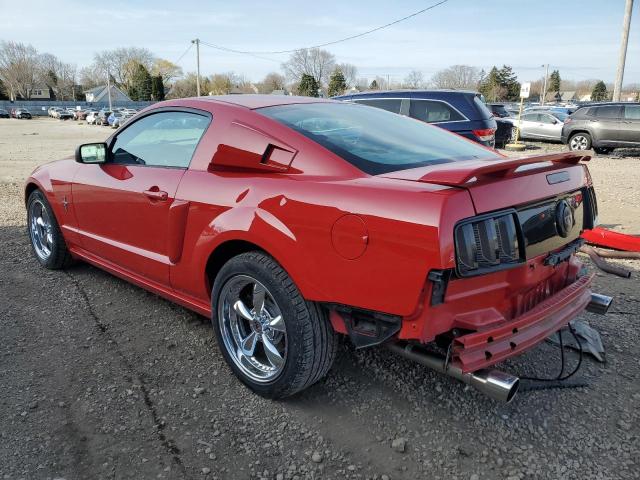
310,72
24,70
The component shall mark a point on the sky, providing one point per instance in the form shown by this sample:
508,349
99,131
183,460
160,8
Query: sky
580,38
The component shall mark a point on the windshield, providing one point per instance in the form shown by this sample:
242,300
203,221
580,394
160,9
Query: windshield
560,115
374,140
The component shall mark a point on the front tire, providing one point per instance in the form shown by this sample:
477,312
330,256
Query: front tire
580,141
47,242
514,134
275,341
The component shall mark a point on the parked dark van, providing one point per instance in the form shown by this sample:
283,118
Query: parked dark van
459,111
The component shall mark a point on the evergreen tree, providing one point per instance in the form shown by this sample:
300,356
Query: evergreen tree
509,81
140,88
3,91
490,85
554,81
157,88
337,83
599,92
308,86
374,85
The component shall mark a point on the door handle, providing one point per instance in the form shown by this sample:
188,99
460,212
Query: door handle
154,193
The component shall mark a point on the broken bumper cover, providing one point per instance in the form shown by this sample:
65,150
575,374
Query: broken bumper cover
484,348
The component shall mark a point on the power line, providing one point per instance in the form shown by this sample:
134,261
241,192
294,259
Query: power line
254,53
231,50
183,53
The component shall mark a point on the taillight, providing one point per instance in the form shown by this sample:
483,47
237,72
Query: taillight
485,134
488,243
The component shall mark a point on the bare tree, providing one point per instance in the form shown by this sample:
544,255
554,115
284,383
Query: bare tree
19,68
166,69
414,80
311,61
121,63
457,77
272,81
91,77
186,86
350,73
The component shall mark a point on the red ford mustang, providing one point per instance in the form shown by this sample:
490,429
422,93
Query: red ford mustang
290,220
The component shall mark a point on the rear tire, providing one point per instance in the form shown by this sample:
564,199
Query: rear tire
580,141
275,341
47,242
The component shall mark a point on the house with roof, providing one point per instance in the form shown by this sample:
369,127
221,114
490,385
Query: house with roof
566,96
101,94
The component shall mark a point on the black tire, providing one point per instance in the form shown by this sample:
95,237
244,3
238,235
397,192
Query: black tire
311,343
59,256
603,150
580,141
514,134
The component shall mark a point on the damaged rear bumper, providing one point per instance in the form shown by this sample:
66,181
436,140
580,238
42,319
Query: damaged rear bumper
491,345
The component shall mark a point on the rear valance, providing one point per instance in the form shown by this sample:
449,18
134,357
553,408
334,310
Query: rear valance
459,173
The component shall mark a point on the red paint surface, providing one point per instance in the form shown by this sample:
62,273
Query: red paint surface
604,237
343,236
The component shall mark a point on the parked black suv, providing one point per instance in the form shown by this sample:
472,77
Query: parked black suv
603,127
459,111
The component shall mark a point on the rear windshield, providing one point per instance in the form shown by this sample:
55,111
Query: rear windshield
374,140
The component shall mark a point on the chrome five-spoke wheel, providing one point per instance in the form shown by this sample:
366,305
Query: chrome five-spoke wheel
41,229
252,328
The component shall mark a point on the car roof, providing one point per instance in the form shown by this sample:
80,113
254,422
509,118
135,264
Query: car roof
253,101
405,91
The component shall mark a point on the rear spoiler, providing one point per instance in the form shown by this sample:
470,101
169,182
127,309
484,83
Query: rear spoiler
459,173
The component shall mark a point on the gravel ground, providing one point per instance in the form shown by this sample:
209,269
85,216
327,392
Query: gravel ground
100,379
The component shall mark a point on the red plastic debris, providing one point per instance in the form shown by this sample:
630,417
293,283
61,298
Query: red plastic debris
604,237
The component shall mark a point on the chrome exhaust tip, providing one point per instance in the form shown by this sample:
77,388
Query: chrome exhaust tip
495,384
599,303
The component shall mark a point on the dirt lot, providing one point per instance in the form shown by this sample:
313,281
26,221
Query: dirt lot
100,379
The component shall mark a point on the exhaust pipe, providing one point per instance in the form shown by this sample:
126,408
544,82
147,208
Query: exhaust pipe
495,384
599,303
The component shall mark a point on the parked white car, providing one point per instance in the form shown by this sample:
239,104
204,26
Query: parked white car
91,118
540,125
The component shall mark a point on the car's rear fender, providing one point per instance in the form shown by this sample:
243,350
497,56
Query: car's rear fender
408,233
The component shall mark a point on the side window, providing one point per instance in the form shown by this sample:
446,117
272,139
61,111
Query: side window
609,111
545,118
164,139
632,112
390,105
432,112
530,117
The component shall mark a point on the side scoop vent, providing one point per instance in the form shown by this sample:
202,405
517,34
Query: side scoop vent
247,148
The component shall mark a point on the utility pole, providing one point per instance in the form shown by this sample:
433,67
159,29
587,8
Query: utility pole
544,88
197,42
626,23
109,90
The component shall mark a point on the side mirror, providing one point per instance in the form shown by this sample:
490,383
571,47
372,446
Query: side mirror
91,153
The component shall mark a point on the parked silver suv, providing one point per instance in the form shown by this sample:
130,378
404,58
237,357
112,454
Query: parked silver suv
603,127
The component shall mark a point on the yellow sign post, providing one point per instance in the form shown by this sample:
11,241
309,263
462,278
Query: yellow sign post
517,146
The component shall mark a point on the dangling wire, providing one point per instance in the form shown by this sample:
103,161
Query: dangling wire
560,376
